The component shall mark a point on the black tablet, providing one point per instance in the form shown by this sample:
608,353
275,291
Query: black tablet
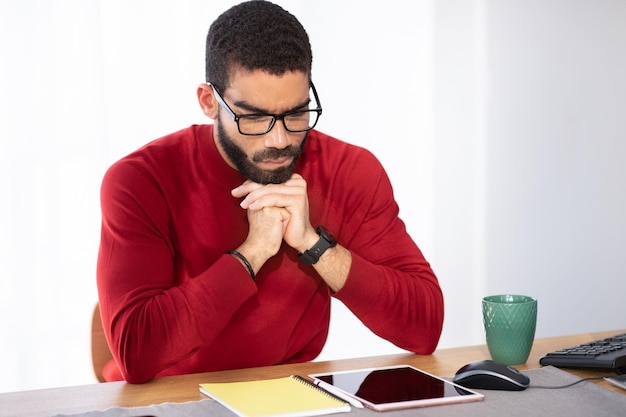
394,387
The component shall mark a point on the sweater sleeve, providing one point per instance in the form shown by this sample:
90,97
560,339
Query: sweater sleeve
391,288
151,321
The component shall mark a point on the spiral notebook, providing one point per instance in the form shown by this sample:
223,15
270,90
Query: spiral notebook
291,396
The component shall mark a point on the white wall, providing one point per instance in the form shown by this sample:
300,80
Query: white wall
529,160
556,161
500,123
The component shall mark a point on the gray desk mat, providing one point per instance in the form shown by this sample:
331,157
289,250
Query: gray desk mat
585,399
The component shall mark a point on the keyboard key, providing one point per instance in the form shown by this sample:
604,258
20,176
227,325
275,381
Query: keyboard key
609,353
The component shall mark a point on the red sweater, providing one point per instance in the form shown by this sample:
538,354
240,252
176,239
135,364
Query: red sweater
172,302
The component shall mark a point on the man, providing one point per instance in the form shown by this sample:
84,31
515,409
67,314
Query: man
222,244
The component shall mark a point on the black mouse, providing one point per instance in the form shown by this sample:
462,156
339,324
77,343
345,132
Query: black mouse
487,374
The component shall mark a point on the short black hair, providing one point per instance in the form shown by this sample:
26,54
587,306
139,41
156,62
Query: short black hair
256,35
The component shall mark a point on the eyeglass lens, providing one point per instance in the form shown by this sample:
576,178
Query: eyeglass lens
294,122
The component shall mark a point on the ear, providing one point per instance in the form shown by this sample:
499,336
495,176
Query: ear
207,100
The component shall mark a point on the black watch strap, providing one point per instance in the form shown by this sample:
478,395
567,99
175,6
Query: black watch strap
326,241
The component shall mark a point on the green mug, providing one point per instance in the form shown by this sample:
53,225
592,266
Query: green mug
510,322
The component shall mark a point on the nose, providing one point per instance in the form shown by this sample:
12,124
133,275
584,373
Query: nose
278,137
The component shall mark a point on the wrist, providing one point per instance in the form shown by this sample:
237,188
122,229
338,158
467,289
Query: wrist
310,239
244,261
256,254
325,241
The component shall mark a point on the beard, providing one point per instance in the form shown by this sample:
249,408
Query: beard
250,170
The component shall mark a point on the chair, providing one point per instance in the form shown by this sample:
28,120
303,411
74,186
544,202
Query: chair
100,352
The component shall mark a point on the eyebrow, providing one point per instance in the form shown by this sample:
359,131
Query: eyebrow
242,104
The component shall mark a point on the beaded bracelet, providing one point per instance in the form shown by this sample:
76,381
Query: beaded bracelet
245,262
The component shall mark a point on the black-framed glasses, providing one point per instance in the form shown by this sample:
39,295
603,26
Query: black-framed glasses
257,124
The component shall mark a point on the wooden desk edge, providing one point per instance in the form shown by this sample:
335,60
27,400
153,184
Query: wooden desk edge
76,399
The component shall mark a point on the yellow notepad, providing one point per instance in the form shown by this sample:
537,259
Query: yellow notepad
288,396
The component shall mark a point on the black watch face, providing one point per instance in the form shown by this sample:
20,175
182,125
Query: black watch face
327,235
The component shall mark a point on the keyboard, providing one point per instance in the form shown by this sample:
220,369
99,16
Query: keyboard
609,353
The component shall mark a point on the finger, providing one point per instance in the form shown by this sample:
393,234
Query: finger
276,197
284,214
246,188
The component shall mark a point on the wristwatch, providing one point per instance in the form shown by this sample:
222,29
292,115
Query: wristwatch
326,241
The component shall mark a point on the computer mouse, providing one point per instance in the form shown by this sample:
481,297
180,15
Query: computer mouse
488,374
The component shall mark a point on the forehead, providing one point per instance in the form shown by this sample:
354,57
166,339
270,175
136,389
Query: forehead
273,93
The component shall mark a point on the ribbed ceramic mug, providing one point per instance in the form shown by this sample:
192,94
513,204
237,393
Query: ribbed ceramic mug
510,322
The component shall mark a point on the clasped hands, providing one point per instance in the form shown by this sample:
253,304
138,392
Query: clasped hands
276,212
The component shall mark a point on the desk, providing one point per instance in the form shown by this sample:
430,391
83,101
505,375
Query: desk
444,362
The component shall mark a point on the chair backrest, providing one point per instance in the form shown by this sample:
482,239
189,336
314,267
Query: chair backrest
100,352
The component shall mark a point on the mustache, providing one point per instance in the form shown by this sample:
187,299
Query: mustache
275,153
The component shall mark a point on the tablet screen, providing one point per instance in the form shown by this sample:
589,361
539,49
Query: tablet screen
404,384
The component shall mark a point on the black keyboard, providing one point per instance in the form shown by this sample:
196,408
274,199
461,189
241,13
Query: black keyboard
609,353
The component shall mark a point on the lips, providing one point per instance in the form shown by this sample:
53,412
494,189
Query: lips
278,162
